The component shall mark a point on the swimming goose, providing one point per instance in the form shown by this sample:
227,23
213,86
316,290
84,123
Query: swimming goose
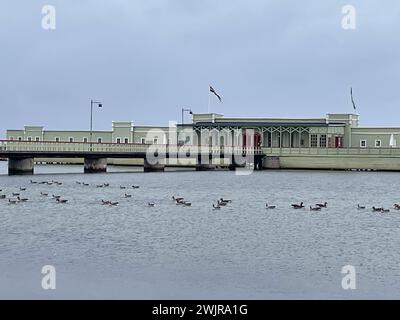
374,209
33,182
122,187
99,186
56,197
222,204
269,207
360,207
178,200
385,210
103,202
43,194
150,204
225,200
12,201
298,206
22,199
106,184
22,189
322,205
114,203
59,200
187,204
85,184
396,206
128,195
216,207
78,182
315,208
15,194
135,187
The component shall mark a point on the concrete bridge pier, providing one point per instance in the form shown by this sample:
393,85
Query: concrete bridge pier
95,165
158,166
20,166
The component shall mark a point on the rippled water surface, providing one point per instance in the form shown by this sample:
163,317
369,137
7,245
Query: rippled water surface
169,251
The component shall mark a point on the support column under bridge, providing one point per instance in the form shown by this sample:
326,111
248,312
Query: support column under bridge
20,166
95,165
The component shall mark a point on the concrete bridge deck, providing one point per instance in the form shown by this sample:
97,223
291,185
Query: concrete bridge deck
21,154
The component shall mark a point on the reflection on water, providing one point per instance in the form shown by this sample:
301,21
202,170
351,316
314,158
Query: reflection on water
170,251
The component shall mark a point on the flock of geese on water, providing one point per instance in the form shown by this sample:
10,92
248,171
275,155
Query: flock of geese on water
16,198
320,206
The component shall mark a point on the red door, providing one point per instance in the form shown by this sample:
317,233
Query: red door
248,142
338,142
257,139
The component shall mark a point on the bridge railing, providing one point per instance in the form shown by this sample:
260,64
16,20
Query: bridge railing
392,151
87,147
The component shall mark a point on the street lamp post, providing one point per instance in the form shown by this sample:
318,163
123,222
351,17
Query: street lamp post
100,105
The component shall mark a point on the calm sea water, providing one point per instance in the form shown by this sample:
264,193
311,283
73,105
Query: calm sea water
241,251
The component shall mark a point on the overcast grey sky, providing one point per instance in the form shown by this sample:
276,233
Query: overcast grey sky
146,59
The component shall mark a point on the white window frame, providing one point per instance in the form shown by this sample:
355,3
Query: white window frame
361,143
143,140
116,140
155,140
29,138
380,143
37,139
71,138
87,139
126,140
57,139
99,140
19,138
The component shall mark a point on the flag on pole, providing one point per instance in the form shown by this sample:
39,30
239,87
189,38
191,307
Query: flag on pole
216,94
352,100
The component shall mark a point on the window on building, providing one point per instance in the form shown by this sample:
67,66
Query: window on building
155,140
85,140
126,140
142,140
37,139
71,139
29,138
57,139
378,143
118,140
363,143
19,138
11,138
269,139
322,140
314,141
99,140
